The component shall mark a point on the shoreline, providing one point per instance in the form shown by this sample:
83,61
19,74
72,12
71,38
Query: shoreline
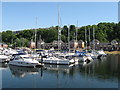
112,52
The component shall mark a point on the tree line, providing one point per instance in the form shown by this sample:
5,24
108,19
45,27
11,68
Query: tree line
104,32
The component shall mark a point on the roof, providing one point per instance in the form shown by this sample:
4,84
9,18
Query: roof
3,44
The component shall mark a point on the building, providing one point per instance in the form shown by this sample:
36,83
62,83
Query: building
32,45
3,45
110,46
40,44
81,44
95,44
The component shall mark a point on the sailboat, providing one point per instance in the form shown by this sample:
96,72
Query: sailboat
59,59
93,52
96,54
83,56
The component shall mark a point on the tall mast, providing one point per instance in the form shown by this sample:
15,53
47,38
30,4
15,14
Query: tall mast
89,37
1,23
85,39
59,31
36,34
76,30
40,40
69,38
93,38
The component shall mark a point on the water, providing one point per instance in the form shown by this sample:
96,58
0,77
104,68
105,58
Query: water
97,74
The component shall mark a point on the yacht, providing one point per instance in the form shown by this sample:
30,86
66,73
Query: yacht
56,60
24,60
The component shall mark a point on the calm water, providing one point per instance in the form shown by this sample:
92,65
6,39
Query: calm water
97,74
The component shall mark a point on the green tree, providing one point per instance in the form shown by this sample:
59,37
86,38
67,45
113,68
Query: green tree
8,37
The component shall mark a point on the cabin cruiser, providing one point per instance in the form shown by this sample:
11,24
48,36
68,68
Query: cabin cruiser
56,60
24,60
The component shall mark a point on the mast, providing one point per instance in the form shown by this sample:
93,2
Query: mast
85,39
40,40
59,31
89,38
36,35
1,23
76,36
0,37
76,31
69,38
93,39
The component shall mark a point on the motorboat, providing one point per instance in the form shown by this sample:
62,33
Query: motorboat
56,60
24,60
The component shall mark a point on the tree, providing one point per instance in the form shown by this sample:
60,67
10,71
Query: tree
8,37
104,32
22,42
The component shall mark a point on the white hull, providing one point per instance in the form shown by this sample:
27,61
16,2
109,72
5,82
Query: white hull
24,64
57,61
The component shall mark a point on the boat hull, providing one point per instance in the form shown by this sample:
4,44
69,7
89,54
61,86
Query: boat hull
23,64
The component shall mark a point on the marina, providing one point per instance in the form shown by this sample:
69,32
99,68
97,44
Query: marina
59,45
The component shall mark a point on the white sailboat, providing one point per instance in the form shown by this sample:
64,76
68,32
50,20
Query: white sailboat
57,60
93,52
86,57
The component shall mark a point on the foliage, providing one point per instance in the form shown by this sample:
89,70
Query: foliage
104,32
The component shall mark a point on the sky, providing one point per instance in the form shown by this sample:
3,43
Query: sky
22,15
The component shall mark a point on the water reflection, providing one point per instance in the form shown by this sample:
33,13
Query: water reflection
103,69
60,68
3,66
97,73
22,71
